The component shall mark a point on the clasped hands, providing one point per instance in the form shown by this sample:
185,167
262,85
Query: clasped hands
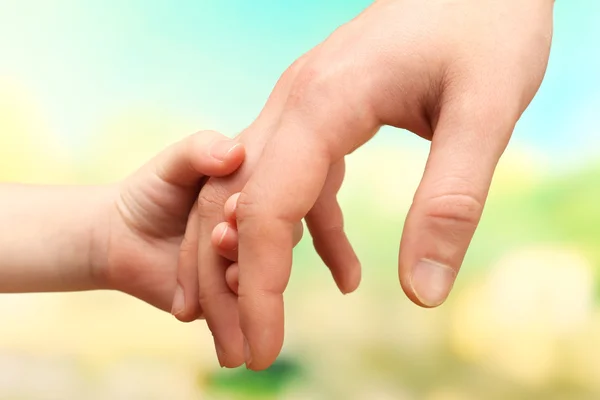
457,72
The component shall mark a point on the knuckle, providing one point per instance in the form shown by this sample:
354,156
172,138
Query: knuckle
264,211
312,86
188,247
334,230
248,294
202,136
456,209
211,199
247,207
324,88
321,237
198,141
296,66
212,298
196,148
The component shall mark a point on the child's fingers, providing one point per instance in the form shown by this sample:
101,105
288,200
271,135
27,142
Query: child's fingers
225,241
232,276
223,236
229,209
186,306
205,153
184,164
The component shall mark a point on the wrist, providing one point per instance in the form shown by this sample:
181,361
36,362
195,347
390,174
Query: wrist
51,235
99,237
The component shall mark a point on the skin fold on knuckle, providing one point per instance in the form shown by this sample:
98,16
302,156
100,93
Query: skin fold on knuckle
255,221
247,207
211,299
188,250
211,199
326,232
326,87
252,208
249,295
311,88
458,210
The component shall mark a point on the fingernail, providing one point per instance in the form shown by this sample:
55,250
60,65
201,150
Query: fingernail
247,353
221,149
223,235
178,301
432,282
232,205
220,354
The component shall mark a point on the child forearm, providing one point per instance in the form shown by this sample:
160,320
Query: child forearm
47,237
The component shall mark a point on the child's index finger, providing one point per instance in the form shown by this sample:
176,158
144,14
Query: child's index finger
229,209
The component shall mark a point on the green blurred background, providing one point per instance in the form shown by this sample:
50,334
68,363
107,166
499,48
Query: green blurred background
89,90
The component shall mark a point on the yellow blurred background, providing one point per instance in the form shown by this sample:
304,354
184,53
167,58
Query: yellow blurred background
91,90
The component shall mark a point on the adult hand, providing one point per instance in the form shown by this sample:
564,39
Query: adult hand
216,286
457,72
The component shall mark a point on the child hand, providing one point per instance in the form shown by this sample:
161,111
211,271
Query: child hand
224,239
141,235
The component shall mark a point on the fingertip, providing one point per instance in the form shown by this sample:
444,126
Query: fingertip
254,364
227,154
186,317
219,233
352,278
235,156
182,309
232,276
230,208
228,360
178,305
431,282
225,241
225,237
212,153
263,331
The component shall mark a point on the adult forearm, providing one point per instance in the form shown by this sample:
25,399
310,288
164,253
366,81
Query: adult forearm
47,236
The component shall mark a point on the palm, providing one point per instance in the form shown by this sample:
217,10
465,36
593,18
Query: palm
147,223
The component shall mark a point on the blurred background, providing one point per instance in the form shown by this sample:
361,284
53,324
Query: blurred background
89,90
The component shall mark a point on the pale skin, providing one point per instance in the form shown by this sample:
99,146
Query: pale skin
127,236
457,72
